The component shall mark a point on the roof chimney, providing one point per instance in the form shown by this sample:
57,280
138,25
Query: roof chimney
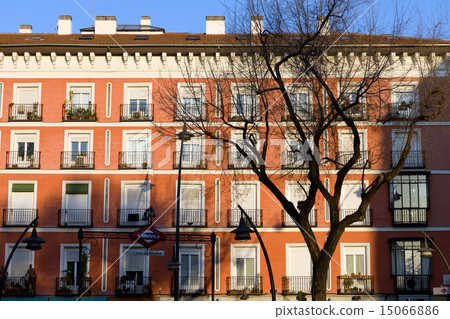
105,25
26,28
326,27
256,25
64,25
145,21
215,25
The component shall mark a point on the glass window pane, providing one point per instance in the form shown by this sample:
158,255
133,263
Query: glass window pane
349,262
250,267
184,265
195,265
240,271
359,269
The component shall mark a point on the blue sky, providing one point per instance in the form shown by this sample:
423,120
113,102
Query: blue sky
173,15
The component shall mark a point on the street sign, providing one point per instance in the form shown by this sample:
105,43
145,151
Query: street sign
148,236
441,291
148,252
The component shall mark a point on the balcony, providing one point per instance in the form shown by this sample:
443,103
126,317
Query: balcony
18,286
68,286
134,112
412,284
237,285
244,113
355,284
344,157
189,115
293,160
415,159
126,286
287,221
190,160
132,217
357,112
79,112
77,160
295,284
135,160
403,111
75,217
238,161
18,216
23,160
191,217
301,115
192,285
234,215
410,217
367,222
25,112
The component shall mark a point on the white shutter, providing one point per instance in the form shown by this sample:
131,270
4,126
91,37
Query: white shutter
72,255
245,195
27,95
350,196
135,196
76,201
22,200
299,263
191,196
133,262
138,93
19,263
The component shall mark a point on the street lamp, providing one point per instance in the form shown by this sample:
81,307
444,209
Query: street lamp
33,243
149,214
427,251
183,136
242,233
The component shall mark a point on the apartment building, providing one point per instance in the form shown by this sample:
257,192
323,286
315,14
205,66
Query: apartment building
88,142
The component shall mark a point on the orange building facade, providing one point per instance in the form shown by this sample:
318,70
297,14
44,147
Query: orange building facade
86,142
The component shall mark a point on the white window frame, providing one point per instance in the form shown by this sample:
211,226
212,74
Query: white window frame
78,135
65,182
344,246
10,184
295,88
188,183
63,260
364,145
247,89
8,249
253,183
72,85
17,86
189,90
138,183
237,136
250,247
199,250
146,259
294,245
15,138
138,135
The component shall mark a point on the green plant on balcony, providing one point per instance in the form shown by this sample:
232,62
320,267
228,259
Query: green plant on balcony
286,285
31,161
348,282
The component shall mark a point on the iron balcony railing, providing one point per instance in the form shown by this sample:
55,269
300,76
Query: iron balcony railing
75,217
287,221
301,115
19,286
190,115
82,159
248,113
244,285
404,110
79,112
135,160
410,217
355,284
68,286
362,162
25,112
295,284
412,284
23,160
415,159
293,159
18,216
357,112
364,223
192,284
136,112
234,215
132,217
238,161
133,286
190,217
190,159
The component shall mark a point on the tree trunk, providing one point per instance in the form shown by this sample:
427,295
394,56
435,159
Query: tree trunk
319,280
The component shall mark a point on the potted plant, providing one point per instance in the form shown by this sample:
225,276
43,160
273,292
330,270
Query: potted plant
136,115
144,164
31,161
347,283
286,285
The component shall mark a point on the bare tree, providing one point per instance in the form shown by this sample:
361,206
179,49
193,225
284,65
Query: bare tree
313,69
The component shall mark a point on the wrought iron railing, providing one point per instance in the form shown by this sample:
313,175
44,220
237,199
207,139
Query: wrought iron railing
364,223
287,221
410,217
244,285
294,159
25,112
415,159
19,286
195,114
248,113
294,284
23,160
355,284
190,159
404,110
238,161
79,112
133,286
357,112
192,284
135,160
18,216
75,217
68,286
82,159
301,115
136,112
234,215
191,217
412,283
133,217
362,162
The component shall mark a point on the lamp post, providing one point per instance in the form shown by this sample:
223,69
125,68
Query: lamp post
184,135
427,252
33,243
243,234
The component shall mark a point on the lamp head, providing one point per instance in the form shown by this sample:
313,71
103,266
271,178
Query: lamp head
34,242
242,233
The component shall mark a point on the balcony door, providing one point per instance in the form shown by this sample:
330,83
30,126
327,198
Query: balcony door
355,260
350,199
245,195
26,97
191,204
20,262
21,205
298,270
244,269
138,100
134,270
70,271
414,158
190,272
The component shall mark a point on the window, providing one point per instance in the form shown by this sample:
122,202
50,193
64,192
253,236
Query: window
350,96
237,159
411,271
404,101
79,104
136,150
80,96
21,203
300,98
24,150
296,192
247,196
409,199
296,152
244,270
134,265
354,258
193,153
245,103
26,102
70,270
298,270
191,104
192,212
191,270
415,156
346,139
137,104
134,204
20,261
76,204
78,150
350,201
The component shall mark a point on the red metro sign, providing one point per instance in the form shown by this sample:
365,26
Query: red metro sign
148,236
